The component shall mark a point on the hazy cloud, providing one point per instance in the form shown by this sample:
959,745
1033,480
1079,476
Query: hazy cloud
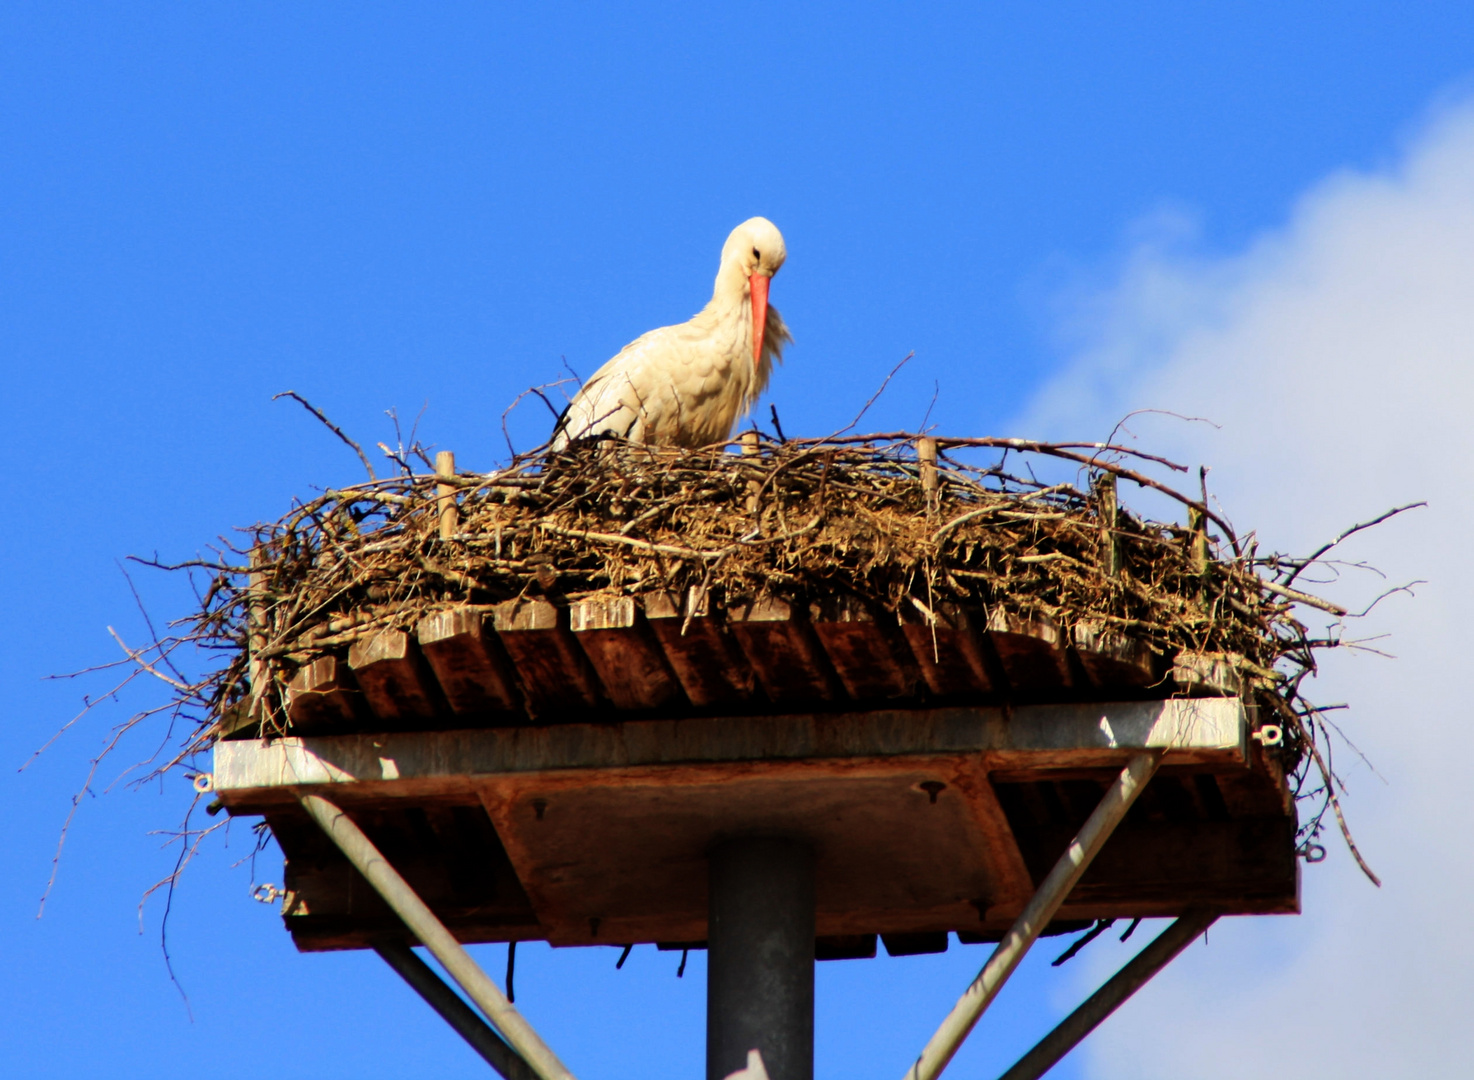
1335,353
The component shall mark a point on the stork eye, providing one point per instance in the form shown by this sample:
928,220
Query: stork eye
756,254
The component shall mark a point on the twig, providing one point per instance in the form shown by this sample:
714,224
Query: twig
1315,557
1328,777
875,396
334,428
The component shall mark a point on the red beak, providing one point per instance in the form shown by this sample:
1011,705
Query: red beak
759,285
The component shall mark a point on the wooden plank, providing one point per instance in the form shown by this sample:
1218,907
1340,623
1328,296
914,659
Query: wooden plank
1207,674
624,652
1031,650
468,661
871,657
632,853
1179,862
785,655
1006,865
915,944
1254,793
1112,659
323,696
394,678
708,662
845,947
949,650
554,673
1201,731
890,863
449,853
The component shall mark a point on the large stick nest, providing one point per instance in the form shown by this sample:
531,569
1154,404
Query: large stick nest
796,519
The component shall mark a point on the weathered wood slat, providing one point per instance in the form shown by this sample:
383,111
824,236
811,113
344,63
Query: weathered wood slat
474,672
1209,731
871,658
1111,658
553,671
323,696
1031,650
784,653
949,650
708,662
395,680
1205,674
624,652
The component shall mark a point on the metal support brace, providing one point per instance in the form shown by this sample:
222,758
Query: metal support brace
1035,917
1131,978
440,941
453,1010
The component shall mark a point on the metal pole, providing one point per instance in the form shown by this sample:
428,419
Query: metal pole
453,1010
1109,997
1035,917
432,932
760,958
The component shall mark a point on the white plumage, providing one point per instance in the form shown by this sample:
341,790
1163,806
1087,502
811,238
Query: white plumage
686,385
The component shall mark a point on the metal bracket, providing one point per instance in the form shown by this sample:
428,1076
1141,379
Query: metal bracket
1035,917
1131,978
442,944
453,1010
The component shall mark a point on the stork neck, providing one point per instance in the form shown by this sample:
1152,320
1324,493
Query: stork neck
730,293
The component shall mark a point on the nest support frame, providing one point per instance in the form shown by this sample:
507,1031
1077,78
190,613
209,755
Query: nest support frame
582,707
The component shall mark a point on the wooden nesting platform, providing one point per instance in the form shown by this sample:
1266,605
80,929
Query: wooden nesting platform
542,771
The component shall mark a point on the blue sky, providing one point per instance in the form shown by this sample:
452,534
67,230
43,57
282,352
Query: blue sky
395,207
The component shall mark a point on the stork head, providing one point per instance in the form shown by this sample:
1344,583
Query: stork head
753,253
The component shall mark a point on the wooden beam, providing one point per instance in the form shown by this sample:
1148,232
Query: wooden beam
1254,793
323,695
1006,864
699,648
469,663
871,658
1031,650
1204,731
630,853
1179,863
915,944
624,652
845,947
445,494
1111,658
785,655
553,670
946,644
394,678
1208,674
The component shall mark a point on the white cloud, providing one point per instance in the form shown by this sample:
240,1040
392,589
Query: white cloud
1336,354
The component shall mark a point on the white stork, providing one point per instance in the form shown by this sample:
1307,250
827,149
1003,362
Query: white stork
686,385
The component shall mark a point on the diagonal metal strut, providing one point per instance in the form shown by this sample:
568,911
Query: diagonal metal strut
1035,916
1120,986
442,944
455,1012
